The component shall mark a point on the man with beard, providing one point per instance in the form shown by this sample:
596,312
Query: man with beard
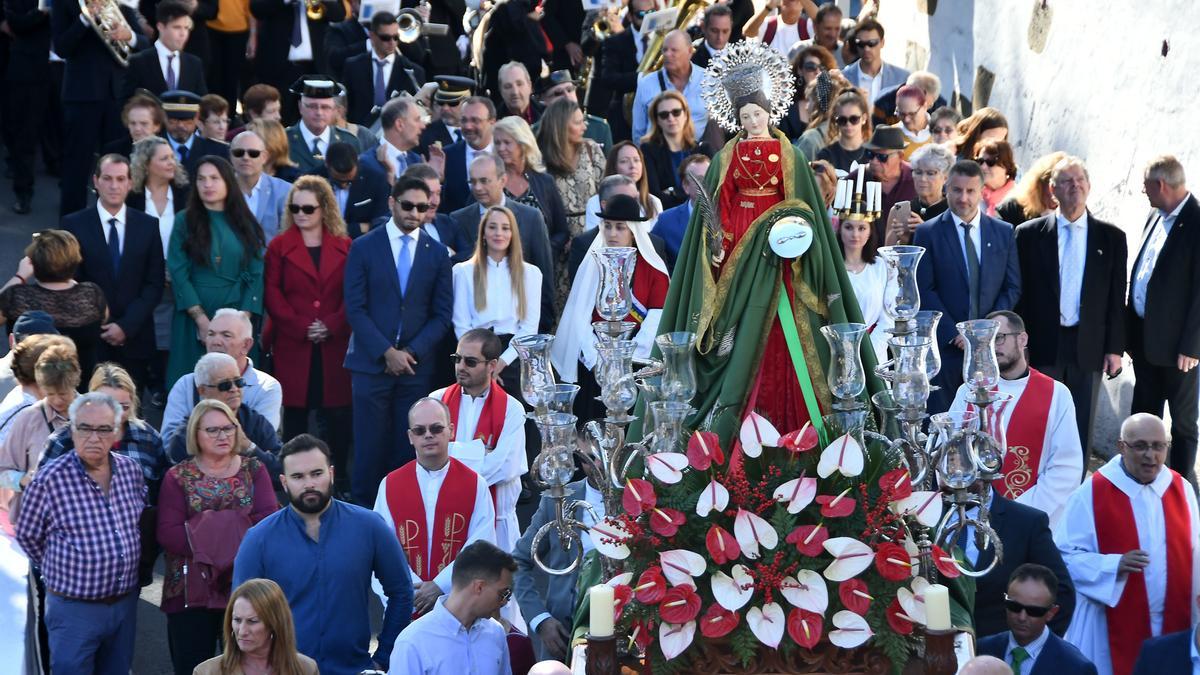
322,553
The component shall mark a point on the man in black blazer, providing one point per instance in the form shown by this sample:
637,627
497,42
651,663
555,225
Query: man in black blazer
478,118
290,43
343,40
361,190
445,128
167,67
563,24
619,68
183,116
488,179
1025,643
375,77
32,109
1171,653
715,27
122,254
1164,309
1076,323
1024,532
93,80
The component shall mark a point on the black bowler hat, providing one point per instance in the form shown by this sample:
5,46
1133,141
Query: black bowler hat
554,79
33,322
622,208
886,138
180,104
452,89
316,86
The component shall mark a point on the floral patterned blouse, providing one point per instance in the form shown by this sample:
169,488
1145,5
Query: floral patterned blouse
576,189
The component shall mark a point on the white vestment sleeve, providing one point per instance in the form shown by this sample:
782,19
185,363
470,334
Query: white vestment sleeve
1094,574
1062,459
483,526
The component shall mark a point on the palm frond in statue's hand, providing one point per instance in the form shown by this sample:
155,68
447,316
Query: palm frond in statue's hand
713,234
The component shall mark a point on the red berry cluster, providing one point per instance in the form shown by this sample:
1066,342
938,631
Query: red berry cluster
758,497
880,518
768,576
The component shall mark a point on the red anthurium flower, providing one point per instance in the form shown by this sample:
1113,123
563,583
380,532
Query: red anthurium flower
836,506
651,586
800,440
680,605
805,627
642,632
897,619
944,563
892,562
704,450
809,539
899,482
622,594
718,621
639,496
854,595
666,522
722,546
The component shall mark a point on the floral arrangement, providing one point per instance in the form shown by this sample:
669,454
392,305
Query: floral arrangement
780,544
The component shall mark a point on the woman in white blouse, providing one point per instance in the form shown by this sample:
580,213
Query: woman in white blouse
868,276
497,289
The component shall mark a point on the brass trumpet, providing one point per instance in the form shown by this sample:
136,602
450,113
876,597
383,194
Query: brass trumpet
412,26
314,9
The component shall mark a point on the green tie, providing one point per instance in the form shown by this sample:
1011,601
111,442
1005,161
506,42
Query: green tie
1018,656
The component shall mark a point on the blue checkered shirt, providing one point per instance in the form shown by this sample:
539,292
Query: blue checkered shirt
85,541
140,442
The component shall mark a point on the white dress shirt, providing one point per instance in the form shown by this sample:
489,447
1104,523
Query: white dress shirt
163,53
1071,285
105,216
439,644
975,237
166,218
398,157
472,153
304,50
870,83
500,313
388,63
1033,649
1155,240
308,137
254,194
394,233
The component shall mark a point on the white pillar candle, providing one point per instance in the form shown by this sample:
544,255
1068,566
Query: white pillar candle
937,607
859,185
869,201
875,204
839,196
602,611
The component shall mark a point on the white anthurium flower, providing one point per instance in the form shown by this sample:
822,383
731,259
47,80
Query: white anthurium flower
797,493
734,592
843,455
623,579
667,467
680,565
925,506
675,638
806,590
751,530
851,630
913,609
756,432
609,538
714,498
850,558
767,623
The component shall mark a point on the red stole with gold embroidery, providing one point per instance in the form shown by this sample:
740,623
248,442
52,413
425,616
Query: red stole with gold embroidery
1117,533
451,517
1026,436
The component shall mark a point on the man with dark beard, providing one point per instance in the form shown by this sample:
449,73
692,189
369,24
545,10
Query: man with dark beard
322,552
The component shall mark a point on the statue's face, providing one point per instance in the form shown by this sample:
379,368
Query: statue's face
754,119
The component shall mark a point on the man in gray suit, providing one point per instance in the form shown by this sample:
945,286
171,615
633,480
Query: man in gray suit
870,73
548,601
265,195
487,179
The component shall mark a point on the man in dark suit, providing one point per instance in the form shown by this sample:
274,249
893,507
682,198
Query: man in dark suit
402,121
399,296
122,254
167,67
1171,653
345,39
310,138
619,68
1025,534
716,27
563,24
441,226
1077,327
1164,309
183,116
1028,645
478,118
93,80
970,269
291,43
33,108
445,128
488,179
361,190
382,73
672,223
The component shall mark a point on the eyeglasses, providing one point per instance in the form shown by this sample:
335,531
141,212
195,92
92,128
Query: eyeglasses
1033,611
228,385
470,361
1002,337
433,429
942,130
308,209
868,43
842,120
988,161
220,432
1143,446
410,206
882,157
665,114
506,594
99,432
389,38
242,152
811,66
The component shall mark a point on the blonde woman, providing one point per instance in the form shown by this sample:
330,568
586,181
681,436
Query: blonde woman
259,635
279,162
528,183
1032,197
496,289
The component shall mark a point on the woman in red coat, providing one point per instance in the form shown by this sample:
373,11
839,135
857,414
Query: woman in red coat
307,331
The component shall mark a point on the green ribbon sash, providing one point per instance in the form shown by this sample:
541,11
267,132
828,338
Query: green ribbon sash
788,322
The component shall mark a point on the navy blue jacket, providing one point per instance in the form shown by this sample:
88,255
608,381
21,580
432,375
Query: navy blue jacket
455,191
368,198
1058,657
671,226
1171,653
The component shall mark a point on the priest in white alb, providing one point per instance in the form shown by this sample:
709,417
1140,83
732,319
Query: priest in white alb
1044,461
489,427
435,504
1132,580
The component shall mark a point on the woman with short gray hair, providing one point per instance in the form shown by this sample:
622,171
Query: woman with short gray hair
930,167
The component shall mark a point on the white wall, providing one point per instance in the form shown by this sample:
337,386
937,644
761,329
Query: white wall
1099,88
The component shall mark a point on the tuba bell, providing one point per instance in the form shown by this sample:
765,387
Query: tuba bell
104,16
413,27
314,10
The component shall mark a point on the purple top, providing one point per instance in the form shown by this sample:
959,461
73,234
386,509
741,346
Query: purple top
85,540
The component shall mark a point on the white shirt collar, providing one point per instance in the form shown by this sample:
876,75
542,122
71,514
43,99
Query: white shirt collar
105,216
1175,212
1033,648
394,232
501,264
309,136
1077,223
163,53
436,474
388,60
1115,473
974,221
503,202
258,185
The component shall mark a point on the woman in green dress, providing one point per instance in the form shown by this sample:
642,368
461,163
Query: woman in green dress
215,260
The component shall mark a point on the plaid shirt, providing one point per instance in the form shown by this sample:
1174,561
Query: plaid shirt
85,541
140,442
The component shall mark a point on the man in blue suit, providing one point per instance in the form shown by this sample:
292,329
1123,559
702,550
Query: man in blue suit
265,195
402,121
1172,653
672,223
399,297
969,270
361,190
478,119
1029,646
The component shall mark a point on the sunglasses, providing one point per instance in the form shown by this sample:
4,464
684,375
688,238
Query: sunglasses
228,385
410,206
881,156
868,43
242,152
434,429
811,67
389,38
989,161
666,114
842,120
506,594
1032,610
641,14
470,361
308,209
